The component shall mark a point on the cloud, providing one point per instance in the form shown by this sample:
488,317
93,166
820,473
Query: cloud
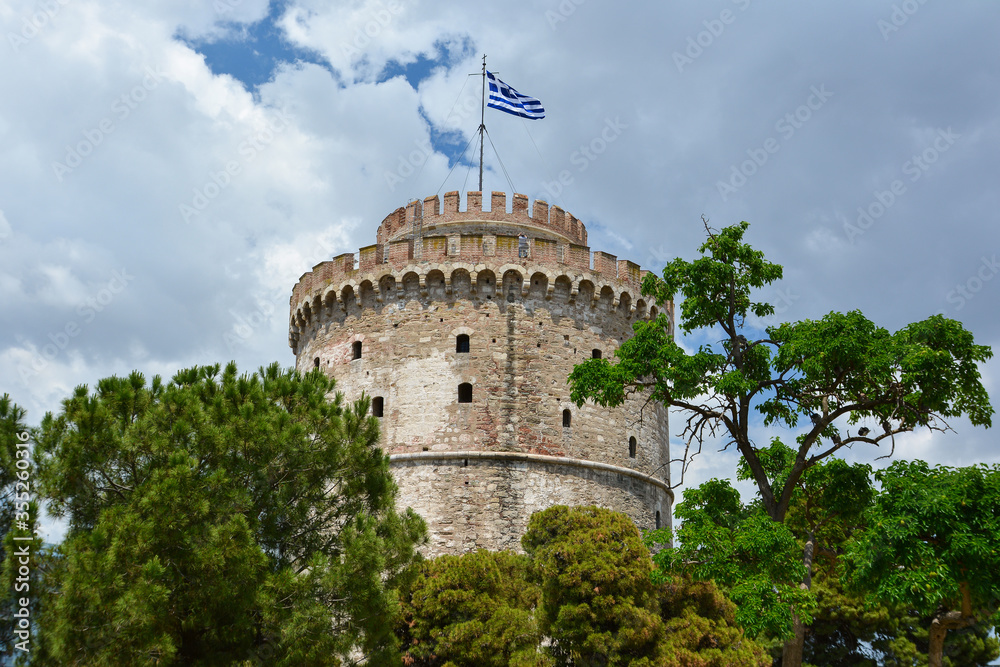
123,149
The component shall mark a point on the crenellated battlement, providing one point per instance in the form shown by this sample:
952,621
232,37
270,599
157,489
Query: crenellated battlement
429,215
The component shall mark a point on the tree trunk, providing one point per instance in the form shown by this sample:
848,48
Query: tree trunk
791,654
951,620
935,653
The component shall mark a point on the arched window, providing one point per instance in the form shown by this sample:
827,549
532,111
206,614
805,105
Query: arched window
316,362
631,447
462,343
596,354
567,418
356,349
378,406
465,393
657,519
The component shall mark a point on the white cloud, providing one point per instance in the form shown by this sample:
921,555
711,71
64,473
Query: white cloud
336,167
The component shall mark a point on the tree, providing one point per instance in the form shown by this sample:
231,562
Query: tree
933,543
585,586
835,372
825,510
599,608
755,560
701,630
471,610
594,571
848,630
220,518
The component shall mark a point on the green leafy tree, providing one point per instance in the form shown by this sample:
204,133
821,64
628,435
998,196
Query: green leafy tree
933,544
850,631
220,519
598,607
474,610
755,560
831,373
827,506
700,628
594,571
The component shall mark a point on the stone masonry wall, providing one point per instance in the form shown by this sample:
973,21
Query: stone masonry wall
528,322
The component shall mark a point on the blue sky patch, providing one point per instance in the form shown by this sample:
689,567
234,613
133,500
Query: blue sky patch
252,52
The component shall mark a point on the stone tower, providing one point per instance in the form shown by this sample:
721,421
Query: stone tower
465,341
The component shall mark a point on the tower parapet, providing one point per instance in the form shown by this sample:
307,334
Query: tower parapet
547,222
464,340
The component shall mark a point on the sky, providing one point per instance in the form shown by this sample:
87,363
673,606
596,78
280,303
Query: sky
169,168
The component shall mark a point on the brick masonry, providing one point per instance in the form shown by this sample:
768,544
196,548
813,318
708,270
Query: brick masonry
477,470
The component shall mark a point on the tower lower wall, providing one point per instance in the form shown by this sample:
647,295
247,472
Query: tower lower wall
472,500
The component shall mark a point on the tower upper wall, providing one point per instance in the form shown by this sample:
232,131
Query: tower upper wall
549,222
414,235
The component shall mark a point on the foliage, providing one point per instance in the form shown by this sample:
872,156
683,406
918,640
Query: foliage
220,518
701,628
599,608
933,544
755,560
597,604
471,610
847,630
836,371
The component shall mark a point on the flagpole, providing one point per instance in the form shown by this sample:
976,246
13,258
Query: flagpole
482,126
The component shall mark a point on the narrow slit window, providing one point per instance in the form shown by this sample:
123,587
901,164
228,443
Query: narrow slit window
462,343
657,519
596,354
567,418
356,349
631,447
378,406
465,393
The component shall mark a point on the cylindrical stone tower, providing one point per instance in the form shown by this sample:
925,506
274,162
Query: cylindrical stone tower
463,327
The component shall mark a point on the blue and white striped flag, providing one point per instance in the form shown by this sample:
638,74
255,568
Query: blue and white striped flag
505,98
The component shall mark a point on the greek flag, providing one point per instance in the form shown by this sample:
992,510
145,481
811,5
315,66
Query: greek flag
505,98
